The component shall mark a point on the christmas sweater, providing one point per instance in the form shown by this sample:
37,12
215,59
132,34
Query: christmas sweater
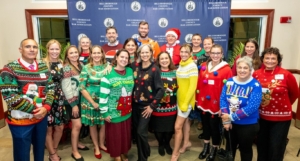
210,83
202,58
148,87
152,43
168,104
115,95
280,91
174,52
187,75
241,100
197,55
84,58
110,51
70,84
22,88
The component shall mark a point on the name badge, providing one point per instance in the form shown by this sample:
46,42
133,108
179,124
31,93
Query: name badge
81,58
169,79
211,82
59,66
279,76
265,90
230,83
43,75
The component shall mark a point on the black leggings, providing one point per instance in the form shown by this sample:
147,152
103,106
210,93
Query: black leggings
163,138
211,127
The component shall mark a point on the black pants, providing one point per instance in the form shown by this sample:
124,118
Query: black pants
163,138
242,135
211,127
271,140
141,127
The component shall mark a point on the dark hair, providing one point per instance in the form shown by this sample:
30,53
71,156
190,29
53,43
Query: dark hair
21,44
111,27
272,50
144,23
102,61
171,65
209,38
255,58
215,46
114,61
135,43
197,34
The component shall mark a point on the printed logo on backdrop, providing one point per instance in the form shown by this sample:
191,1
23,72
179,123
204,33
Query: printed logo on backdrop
135,6
163,22
80,35
135,36
108,22
80,5
188,38
218,21
190,6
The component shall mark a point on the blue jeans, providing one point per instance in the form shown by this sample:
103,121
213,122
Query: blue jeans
24,136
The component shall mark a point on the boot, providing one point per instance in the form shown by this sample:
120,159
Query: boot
168,149
205,151
212,154
161,150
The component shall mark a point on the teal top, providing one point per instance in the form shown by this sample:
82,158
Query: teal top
115,95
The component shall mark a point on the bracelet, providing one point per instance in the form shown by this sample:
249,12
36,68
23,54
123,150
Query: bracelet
227,122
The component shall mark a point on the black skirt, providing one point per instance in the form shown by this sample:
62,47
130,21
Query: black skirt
163,123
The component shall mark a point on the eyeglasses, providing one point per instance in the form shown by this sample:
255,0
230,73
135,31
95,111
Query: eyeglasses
215,53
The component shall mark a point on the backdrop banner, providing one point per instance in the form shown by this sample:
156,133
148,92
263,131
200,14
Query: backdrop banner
206,17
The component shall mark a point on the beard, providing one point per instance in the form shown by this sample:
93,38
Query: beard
143,36
112,40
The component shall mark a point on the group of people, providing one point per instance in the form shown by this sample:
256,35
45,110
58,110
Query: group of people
124,90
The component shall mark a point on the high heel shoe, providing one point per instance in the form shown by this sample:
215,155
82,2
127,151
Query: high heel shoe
175,157
205,151
184,149
98,156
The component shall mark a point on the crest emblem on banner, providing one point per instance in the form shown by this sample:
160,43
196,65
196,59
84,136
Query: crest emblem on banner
218,21
190,6
80,35
80,5
108,22
135,36
135,6
163,22
188,38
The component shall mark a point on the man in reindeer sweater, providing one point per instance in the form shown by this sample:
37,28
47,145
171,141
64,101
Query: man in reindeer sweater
24,83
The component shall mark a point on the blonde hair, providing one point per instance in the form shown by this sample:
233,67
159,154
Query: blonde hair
140,49
102,61
79,45
47,58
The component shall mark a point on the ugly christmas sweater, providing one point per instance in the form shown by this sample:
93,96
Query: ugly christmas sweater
210,83
21,87
241,100
116,94
168,104
280,91
148,88
187,75
174,52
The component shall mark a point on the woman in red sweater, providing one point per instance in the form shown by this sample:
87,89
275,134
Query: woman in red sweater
280,91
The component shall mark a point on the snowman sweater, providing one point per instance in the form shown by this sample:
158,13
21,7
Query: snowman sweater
116,95
241,100
280,91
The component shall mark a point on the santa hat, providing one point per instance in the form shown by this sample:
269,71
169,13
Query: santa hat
175,32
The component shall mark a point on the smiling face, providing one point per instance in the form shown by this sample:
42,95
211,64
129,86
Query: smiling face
164,61
73,55
143,30
122,59
131,47
54,51
250,49
216,55
171,39
185,54
243,71
29,50
145,54
111,35
270,61
196,40
85,44
207,44
97,55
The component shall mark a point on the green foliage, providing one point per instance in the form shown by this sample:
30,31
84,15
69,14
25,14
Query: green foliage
64,47
237,50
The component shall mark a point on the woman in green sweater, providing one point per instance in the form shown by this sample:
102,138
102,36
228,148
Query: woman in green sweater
115,105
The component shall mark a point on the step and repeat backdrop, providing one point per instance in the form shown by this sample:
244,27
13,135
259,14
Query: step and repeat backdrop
206,17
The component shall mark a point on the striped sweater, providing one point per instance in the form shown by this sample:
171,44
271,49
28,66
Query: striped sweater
21,87
187,76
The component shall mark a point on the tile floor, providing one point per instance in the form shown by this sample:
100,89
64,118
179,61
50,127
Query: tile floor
191,155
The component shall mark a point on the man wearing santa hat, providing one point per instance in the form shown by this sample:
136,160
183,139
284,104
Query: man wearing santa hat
172,46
